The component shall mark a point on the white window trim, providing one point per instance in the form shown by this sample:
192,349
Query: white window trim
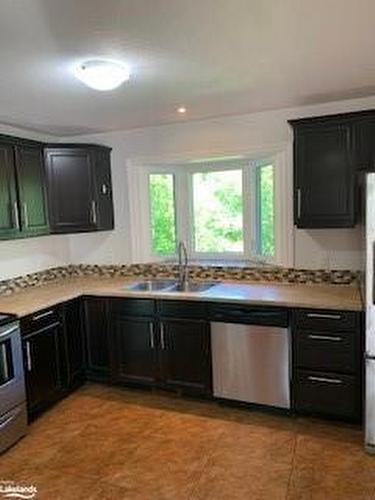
138,172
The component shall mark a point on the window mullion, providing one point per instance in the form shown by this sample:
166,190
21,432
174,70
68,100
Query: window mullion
248,211
182,207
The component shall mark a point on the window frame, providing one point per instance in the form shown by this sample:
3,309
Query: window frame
184,219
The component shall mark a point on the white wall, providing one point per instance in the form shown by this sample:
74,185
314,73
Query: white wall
263,132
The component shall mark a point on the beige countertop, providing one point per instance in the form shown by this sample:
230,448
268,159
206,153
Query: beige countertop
340,297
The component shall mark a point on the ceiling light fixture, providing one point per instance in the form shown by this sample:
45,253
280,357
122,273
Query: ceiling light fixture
100,74
181,110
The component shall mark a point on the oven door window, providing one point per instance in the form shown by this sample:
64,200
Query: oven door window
6,362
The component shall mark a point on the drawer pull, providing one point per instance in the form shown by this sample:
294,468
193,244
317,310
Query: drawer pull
42,315
325,380
325,337
152,339
28,357
162,338
324,316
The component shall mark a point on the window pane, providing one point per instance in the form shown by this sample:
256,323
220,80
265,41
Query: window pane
266,210
217,201
163,224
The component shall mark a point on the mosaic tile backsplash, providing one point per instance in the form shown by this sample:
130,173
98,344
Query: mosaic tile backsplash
149,271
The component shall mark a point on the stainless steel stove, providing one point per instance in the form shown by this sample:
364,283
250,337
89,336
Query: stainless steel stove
13,414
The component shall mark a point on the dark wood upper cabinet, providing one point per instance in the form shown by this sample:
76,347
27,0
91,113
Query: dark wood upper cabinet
9,212
23,200
103,189
329,152
79,188
32,190
324,175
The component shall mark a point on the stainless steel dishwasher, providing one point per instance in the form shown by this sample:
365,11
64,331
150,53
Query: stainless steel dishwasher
251,355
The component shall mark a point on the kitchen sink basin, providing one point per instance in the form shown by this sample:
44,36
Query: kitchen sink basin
191,286
150,285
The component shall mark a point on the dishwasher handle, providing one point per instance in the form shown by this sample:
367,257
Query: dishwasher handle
247,315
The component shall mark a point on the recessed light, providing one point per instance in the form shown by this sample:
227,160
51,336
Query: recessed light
100,74
181,110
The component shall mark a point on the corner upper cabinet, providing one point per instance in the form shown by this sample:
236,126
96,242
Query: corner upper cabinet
324,173
79,188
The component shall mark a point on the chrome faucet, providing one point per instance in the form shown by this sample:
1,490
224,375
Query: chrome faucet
183,271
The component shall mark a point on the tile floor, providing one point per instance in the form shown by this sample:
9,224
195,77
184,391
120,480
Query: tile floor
110,443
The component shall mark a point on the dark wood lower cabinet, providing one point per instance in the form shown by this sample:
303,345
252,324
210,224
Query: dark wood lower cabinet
328,393
134,356
74,362
148,343
328,363
186,355
166,352
97,339
42,367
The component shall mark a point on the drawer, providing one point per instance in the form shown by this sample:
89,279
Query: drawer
332,351
40,319
132,307
326,320
327,394
232,313
182,309
13,426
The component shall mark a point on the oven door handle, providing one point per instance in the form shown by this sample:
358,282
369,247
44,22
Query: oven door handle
11,417
8,332
4,358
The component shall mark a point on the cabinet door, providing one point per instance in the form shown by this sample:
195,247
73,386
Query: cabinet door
70,190
97,342
186,355
324,177
134,350
103,190
364,133
41,356
75,362
9,216
32,190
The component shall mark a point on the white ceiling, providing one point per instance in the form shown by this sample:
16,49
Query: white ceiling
217,57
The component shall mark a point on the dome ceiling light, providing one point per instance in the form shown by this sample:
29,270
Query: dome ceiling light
102,74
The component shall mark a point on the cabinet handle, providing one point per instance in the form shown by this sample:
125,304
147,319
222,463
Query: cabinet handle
93,212
324,316
28,357
152,340
104,189
16,215
162,338
42,315
7,332
5,362
26,214
325,337
325,380
298,202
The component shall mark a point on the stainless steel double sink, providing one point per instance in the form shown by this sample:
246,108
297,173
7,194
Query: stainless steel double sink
170,286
